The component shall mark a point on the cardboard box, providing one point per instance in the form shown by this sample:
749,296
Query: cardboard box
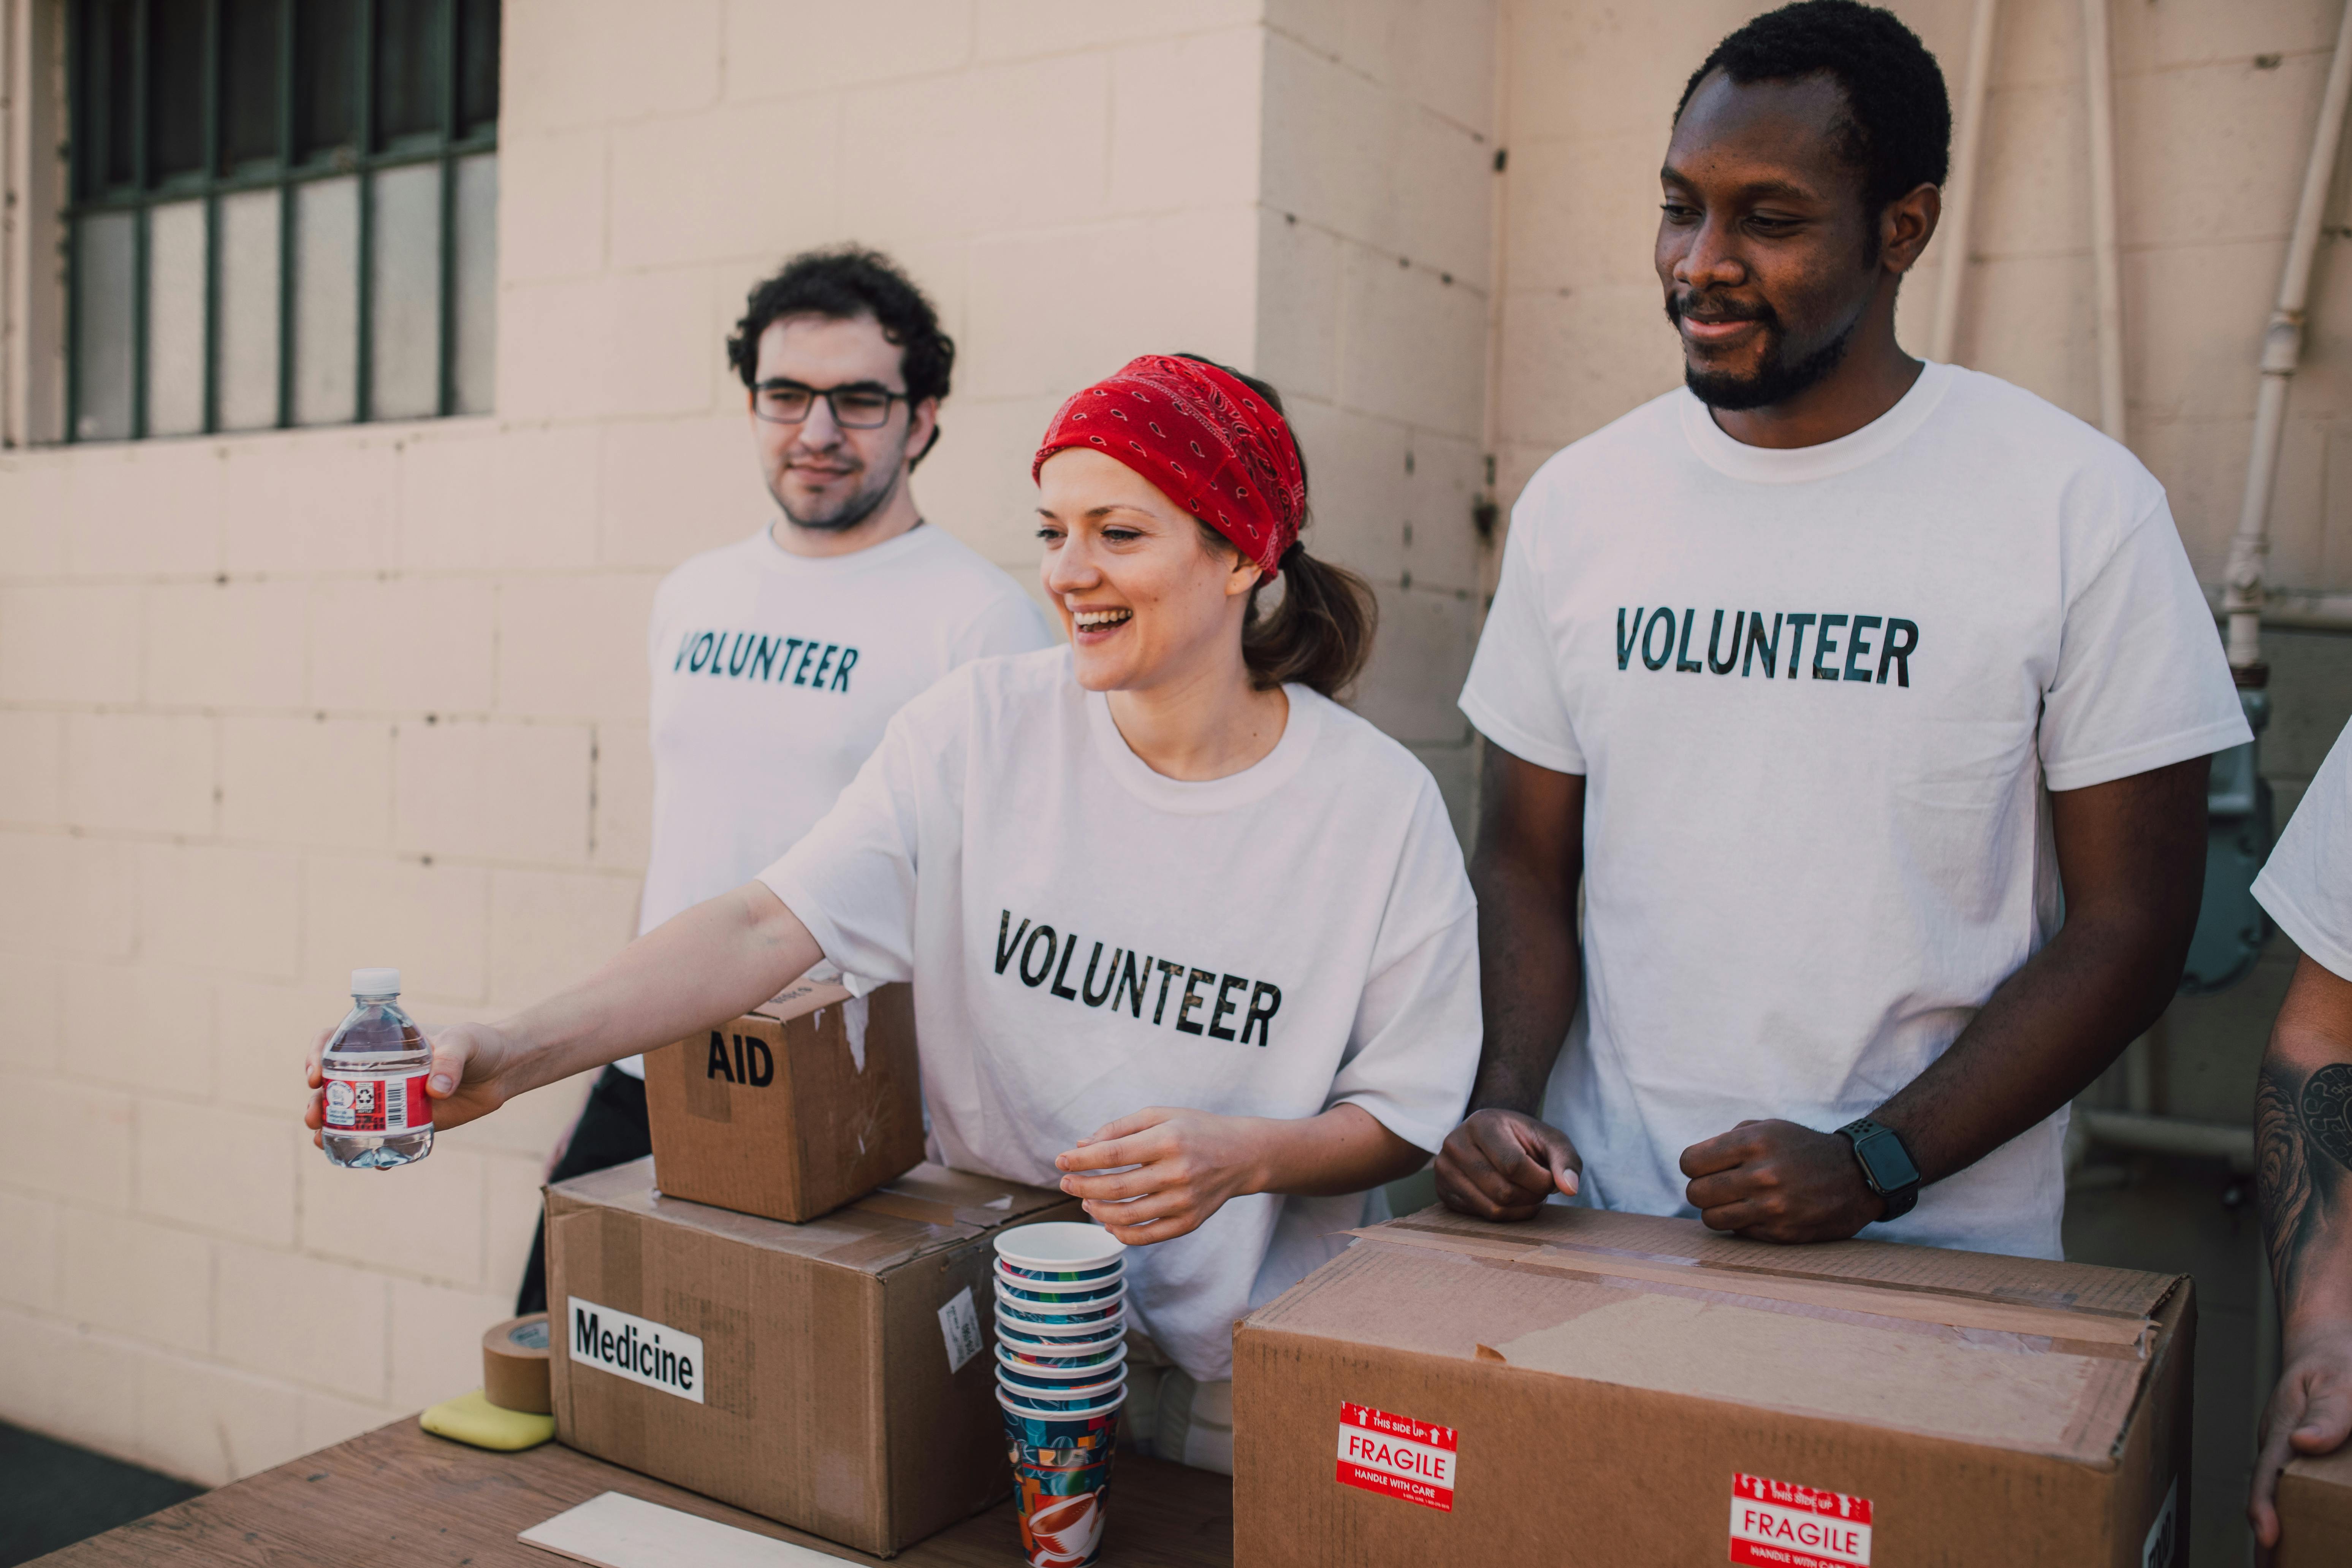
793,1110
834,1376
1601,1388
2315,1505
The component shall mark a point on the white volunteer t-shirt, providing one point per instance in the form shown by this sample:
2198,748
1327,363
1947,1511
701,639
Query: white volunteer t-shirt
773,676
1088,938
2307,884
1817,696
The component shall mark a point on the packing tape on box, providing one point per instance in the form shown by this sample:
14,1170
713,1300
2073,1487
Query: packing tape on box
514,1365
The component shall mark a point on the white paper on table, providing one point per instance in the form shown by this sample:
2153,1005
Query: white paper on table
614,1530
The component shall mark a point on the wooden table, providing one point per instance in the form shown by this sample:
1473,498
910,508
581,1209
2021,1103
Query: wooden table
400,1498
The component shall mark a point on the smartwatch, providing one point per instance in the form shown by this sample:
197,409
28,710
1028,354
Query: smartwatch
1886,1167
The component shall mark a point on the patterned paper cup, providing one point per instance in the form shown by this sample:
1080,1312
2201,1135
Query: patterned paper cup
1058,1338
1057,1295
1064,1401
1035,1359
1038,1314
1059,1245
1018,1271
1047,1375
1061,1470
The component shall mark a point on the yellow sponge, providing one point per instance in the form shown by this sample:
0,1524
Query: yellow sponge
470,1418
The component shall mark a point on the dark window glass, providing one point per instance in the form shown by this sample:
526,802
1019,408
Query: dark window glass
325,36
248,81
113,115
477,63
176,88
408,74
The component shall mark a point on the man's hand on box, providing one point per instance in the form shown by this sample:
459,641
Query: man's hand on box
1776,1180
465,1078
1504,1164
2310,1413
1185,1165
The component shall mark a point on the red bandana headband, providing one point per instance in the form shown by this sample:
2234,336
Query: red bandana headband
1211,444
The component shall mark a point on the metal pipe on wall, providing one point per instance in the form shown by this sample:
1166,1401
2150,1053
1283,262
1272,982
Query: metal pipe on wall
1960,185
2282,353
2098,80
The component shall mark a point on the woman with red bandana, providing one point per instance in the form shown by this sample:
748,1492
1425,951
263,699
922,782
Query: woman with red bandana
1190,940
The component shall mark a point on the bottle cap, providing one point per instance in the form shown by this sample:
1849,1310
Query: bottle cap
376,982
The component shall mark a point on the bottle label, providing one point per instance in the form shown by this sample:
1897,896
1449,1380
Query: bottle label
360,1103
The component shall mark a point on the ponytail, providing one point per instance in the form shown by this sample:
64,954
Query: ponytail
1318,636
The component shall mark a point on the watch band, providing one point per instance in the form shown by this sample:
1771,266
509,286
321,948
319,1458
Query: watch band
1888,1168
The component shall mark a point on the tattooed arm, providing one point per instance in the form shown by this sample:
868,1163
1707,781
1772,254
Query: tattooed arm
2303,1149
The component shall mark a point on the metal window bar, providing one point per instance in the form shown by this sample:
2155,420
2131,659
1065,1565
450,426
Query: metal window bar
90,118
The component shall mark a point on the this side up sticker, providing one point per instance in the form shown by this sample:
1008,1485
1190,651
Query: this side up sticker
1778,1524
1396,1456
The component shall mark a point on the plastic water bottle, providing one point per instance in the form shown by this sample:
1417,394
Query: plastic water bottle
378,1114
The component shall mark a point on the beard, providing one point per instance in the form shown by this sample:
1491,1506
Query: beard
1776,378
838,512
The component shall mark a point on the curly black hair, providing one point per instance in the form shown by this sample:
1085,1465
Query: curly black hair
844,282
1898,125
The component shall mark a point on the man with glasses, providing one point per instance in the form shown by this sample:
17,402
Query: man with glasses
777,660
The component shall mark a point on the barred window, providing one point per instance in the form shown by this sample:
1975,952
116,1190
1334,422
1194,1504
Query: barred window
284,212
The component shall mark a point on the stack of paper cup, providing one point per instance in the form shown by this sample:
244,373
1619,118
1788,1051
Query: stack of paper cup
1061,1376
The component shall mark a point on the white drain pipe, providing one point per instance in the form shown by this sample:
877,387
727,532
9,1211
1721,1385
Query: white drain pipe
2241,599
2099,81
1960,185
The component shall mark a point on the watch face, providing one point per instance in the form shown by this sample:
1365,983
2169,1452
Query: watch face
1889,1166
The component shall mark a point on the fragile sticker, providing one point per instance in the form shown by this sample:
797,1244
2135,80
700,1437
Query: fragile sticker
1396,1456
1778,1524
960,1326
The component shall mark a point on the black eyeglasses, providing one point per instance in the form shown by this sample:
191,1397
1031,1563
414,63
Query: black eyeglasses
854,407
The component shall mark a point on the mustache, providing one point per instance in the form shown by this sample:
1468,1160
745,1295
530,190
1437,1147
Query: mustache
1710,307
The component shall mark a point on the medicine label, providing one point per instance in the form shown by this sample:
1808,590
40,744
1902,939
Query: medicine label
656,1355
1778,1524
1396,1456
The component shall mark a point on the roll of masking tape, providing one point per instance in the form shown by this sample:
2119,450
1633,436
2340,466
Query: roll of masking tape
514,1365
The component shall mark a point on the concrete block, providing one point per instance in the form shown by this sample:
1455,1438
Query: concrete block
2214,152
144,510
975,484
33,514
226,645
574,647
509,497
2193,319
622,830
326,1419
307,780
308,1320
264,1031
590,62
33,785
69,897
141,773
1440,54
2035,169
32,1012
1355,467
1011,29
669,488
210,1425
1604,70
1411,687
1444,549
1413,347
2202,464
1207,156
92,1386
317,501
622,343
60,644
152,1282
993,150
1082,283
744,180
104,1005
776,52
430,921
436,1339
405,645
30,1378
217,907
1573,362
1584,213
552,206
2183,35
218,1170
1297,306
549,929
424,1219
31,1226
2030,320
494,791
